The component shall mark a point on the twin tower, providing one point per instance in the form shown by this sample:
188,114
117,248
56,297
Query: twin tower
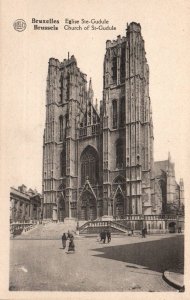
98,162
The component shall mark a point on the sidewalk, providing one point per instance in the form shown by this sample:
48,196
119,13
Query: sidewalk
175,279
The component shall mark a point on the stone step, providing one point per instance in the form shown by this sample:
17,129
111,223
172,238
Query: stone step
48,231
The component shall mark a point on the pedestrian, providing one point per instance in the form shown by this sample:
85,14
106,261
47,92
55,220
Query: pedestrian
69,234
104,236
101,236
109,236
179,229
143,233
64,239
71,248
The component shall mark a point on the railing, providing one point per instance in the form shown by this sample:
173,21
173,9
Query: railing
82,132
89,130
101,224
19,228
119,226
150,217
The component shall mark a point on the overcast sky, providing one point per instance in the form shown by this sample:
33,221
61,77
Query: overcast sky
166,31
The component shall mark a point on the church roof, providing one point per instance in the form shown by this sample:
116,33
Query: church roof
160,166
163,165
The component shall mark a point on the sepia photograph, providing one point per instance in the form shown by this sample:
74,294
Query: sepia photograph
94,147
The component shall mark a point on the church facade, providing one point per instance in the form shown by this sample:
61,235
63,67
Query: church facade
98,162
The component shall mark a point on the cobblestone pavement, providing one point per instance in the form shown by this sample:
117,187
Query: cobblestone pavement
127,264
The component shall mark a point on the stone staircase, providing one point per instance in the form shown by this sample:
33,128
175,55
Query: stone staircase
55,230
97,226
47,231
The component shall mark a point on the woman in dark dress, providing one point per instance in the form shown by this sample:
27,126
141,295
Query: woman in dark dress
71,243
109,235
64,239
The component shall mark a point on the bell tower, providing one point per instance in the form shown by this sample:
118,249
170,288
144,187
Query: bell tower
65,98
127,124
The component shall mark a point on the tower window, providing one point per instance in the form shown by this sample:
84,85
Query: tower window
114,108
63,163
68,87
122,65
119,154
61,128
114,69
122,111
61,89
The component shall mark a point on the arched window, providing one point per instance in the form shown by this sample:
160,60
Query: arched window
122,65
122,111
61,89
119,179
114,69
63,163
61,128
68,87
89,165
114,109
119,154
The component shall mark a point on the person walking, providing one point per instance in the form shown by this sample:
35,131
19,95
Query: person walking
101,236
64,239
109,236
104,236
71,248
144,232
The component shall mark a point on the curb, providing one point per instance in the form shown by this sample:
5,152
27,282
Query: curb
171,281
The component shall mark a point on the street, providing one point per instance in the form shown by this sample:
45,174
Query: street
126,264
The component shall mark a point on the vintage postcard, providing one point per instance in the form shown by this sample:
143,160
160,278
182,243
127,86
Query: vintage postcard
94,149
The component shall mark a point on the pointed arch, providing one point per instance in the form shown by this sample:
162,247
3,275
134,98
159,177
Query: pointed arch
89,165
119,179
87,206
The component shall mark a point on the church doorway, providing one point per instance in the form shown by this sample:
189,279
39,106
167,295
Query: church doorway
61,210
172,227
119,206
88,209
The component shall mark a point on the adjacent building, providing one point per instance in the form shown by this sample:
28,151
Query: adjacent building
168,192
25,205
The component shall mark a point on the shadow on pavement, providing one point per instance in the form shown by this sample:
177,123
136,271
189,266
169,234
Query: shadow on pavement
159,255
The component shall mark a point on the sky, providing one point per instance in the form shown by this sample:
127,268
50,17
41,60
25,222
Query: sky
166,31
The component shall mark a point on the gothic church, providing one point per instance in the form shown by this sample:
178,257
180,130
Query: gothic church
98,162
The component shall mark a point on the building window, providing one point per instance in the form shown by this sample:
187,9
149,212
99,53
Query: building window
61,128
119,154
68,87
114,108
122,65
122,111
63,163
61,89
114,69
89,165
